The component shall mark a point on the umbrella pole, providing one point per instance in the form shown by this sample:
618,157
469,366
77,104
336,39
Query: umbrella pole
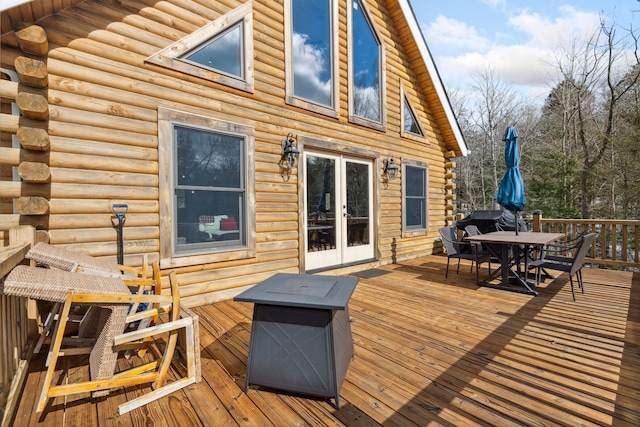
515,218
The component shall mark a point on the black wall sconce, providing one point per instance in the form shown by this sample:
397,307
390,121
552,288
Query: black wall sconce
290,154
390,168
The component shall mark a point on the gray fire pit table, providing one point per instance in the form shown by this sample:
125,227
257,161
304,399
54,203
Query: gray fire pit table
300,336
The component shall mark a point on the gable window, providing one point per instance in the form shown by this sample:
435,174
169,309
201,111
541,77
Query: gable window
414,197
221,51
310,49
205,198
409,121
366,84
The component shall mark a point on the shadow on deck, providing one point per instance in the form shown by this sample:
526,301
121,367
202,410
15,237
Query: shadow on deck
428,350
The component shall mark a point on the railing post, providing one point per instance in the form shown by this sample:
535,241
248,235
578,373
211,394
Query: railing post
537,221
19,235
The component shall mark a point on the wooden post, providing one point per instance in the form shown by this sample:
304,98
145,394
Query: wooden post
537,221
20,235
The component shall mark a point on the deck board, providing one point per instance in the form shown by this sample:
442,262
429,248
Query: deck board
428,350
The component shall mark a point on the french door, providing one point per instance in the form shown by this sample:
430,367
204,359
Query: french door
338,209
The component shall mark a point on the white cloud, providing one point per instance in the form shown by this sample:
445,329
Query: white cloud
308,66
545,33
494,3
451,33
523,54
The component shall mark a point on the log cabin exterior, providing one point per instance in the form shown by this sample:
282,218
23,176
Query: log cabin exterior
121,102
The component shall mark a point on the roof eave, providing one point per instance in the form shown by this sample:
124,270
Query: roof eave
433,72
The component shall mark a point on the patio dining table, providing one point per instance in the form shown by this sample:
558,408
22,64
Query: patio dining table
509,271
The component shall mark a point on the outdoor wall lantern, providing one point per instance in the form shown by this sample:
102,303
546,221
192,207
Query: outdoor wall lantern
290,153
390,168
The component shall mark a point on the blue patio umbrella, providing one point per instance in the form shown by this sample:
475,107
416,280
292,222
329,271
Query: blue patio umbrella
511,191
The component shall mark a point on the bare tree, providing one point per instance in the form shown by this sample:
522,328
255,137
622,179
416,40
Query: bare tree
597,72
491,111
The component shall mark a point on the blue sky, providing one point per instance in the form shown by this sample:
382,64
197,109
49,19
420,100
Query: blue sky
517,40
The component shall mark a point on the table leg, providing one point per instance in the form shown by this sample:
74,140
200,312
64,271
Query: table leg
508,273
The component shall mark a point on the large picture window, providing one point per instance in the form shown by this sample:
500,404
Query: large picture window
365,71
207,193
414,196
311,76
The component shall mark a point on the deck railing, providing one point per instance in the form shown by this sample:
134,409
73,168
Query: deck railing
17,325
617,244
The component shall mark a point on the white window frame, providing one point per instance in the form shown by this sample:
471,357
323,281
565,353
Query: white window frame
169,57
169,258
410,232
381,126
290,98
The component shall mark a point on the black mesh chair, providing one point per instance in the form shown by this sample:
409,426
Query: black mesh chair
456,249
572,265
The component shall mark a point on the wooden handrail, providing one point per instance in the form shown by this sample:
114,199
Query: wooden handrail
617,245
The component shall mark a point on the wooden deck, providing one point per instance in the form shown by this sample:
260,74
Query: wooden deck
428,351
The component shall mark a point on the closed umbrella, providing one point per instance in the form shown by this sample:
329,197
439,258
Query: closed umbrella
511,191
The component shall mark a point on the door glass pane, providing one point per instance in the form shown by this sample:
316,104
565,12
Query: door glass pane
357,176
321,209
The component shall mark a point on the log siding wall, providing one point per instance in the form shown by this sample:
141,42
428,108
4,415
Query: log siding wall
102,127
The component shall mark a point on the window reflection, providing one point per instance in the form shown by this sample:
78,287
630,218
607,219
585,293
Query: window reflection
366,66
410,121
223,53
311,51
415,198
321,209
209,190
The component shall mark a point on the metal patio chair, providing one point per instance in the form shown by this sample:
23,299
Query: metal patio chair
455,249
572,265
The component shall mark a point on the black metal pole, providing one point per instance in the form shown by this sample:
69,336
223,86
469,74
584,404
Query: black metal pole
120,210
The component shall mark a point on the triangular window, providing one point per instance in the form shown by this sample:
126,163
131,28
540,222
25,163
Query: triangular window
410,122
221,51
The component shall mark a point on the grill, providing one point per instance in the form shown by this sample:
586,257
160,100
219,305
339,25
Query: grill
488,221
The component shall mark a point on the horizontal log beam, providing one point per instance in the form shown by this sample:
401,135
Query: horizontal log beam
9,123
8,89
9,156
8,221
14,189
